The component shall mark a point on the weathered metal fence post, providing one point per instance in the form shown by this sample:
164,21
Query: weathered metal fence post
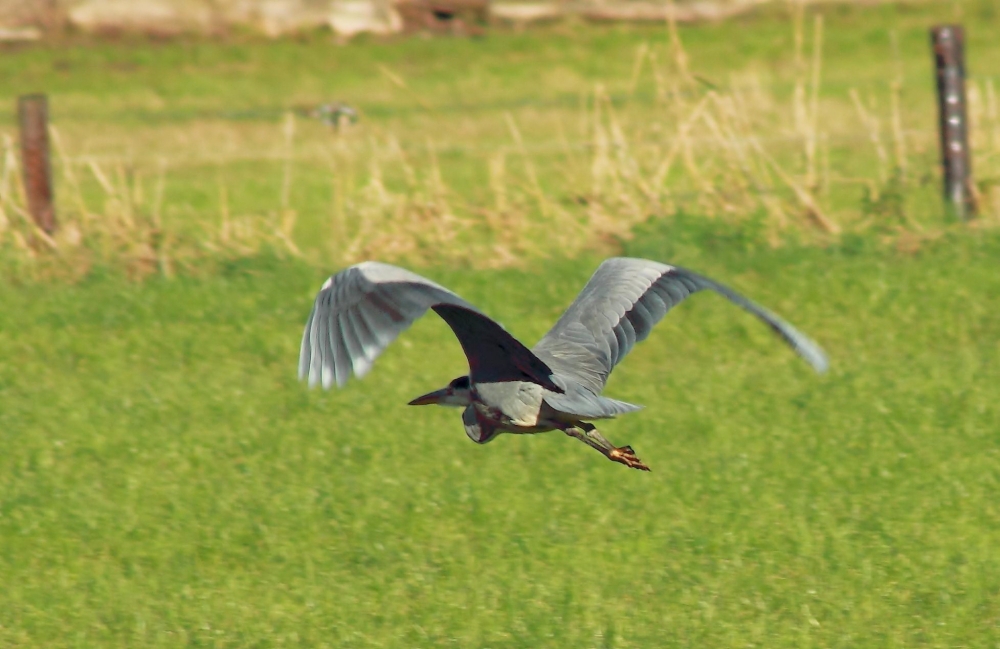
33,113
949,56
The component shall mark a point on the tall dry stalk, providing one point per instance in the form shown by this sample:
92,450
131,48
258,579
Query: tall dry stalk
800,111
898,134
806,110
896,91
808,201
871,124
993,112
69,173
498,182
287,217
641,52
529,166
400,83
677,51
811,133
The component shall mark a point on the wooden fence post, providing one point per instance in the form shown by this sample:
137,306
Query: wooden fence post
33,114
949,56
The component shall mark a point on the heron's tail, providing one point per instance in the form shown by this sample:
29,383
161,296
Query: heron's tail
583,404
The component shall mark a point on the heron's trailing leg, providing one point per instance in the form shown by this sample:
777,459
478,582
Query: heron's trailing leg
589,435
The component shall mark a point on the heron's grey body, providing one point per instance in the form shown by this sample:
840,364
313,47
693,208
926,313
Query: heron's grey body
556,385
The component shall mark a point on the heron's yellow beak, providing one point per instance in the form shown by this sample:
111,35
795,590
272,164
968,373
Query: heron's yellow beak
430,398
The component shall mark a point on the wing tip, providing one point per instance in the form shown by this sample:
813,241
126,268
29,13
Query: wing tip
812,353
819,361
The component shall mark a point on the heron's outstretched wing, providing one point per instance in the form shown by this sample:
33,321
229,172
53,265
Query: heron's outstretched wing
494,355
362,309
619,307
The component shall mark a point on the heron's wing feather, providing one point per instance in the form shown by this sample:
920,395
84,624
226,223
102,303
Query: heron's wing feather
362,309
618,308
494,355
357,314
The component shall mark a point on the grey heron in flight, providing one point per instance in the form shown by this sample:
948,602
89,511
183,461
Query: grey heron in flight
509,388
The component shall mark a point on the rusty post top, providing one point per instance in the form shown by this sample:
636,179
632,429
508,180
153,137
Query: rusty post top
947,37
33,116
948,29
948,43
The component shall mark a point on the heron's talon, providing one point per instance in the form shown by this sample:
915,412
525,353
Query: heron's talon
625,455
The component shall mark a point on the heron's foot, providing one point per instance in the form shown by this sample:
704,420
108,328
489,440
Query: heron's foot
590,436
625,455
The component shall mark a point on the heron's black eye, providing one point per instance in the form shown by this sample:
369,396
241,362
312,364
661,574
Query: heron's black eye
462,383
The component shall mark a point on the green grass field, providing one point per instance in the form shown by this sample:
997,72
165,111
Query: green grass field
166,481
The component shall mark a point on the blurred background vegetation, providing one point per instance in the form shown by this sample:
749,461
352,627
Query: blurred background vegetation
493,149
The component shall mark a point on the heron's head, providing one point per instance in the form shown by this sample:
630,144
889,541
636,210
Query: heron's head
458,393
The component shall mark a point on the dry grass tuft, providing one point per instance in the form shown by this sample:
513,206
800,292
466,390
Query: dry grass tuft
126,230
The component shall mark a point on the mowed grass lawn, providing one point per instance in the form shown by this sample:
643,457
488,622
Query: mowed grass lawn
166,481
